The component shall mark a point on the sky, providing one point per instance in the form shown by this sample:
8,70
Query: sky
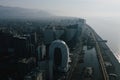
79,8
102,15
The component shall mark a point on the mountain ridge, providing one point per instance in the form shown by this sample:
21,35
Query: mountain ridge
22,13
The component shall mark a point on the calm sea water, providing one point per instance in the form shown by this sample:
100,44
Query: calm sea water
109,29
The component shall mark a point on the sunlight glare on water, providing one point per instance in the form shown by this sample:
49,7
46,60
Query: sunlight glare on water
118,56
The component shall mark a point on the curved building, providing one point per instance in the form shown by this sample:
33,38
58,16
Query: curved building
58,57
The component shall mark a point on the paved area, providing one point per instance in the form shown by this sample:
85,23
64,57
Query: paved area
90,60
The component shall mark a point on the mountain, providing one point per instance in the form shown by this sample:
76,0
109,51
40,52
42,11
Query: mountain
22,13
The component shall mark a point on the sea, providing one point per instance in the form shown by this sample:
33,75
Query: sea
109,29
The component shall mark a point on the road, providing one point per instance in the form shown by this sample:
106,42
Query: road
108,56
107,53
75,53
90,60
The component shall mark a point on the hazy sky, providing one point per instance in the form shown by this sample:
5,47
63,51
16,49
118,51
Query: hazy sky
102,15
79,8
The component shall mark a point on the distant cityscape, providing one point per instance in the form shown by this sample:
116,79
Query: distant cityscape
57,49
36,45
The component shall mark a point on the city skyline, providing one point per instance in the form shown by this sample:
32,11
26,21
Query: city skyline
102,15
